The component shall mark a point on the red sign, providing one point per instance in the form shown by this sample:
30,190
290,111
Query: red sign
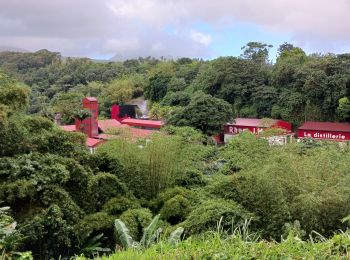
234,129
326,135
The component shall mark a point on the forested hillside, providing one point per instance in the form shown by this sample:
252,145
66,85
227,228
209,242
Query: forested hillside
296,87
58,200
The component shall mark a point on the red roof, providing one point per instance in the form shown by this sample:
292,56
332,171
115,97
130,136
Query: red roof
140,133
325,126
68,128
90,99
253,122
104,125
143,123
92,142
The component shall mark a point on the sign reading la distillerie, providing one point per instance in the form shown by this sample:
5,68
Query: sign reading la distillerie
322,135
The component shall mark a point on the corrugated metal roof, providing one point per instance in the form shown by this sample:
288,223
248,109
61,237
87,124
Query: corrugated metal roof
143,123
253,122
104,125
90,99
141,133
92,142
325,126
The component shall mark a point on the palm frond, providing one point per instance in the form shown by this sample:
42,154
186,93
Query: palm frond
175,236
149,232
123,234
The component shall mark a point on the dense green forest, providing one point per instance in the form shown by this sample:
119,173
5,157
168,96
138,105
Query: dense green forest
245,198
297,87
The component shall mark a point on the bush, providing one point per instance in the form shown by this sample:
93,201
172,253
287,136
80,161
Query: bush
136,220
208,214
104,186
261,195
190,178
175,204
243,152
116,206
102,162
96,224
48,233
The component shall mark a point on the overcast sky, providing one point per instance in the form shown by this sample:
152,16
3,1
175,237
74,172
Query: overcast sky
192,28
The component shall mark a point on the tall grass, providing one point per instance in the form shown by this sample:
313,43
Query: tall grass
210,246
150,168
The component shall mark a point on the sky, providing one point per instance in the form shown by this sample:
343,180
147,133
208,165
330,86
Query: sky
205,29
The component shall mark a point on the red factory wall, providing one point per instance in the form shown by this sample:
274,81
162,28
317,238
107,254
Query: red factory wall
235,129
325,135
115,112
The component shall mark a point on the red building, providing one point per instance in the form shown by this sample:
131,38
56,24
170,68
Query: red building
325,131
255,126
121,112
99,131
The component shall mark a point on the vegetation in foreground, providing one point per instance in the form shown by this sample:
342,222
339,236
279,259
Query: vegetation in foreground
238,246
58,200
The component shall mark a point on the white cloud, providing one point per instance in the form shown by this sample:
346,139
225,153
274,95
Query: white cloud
204,39
139,27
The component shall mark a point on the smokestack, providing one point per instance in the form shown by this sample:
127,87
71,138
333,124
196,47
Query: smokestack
89,125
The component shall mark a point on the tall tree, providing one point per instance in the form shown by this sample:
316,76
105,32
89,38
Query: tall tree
256,51
204,112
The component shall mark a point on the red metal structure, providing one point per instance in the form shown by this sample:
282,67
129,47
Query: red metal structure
325,131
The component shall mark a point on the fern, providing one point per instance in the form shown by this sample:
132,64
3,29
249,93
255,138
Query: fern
149,231
123,234
175,236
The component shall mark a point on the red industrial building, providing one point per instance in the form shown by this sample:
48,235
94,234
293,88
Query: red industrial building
121,112
144,124
325,131
99,131
255,126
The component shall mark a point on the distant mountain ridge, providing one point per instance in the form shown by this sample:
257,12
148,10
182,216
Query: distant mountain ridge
120,57
14,49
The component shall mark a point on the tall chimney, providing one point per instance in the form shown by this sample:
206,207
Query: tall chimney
89,125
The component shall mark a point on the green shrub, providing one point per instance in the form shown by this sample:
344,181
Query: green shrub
104,186
190,178
244,151
175,204
261,195
48,234
95,223
56,195
116,206
102,162
136,220
207,215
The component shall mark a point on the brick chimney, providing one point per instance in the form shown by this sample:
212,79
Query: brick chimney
89,125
